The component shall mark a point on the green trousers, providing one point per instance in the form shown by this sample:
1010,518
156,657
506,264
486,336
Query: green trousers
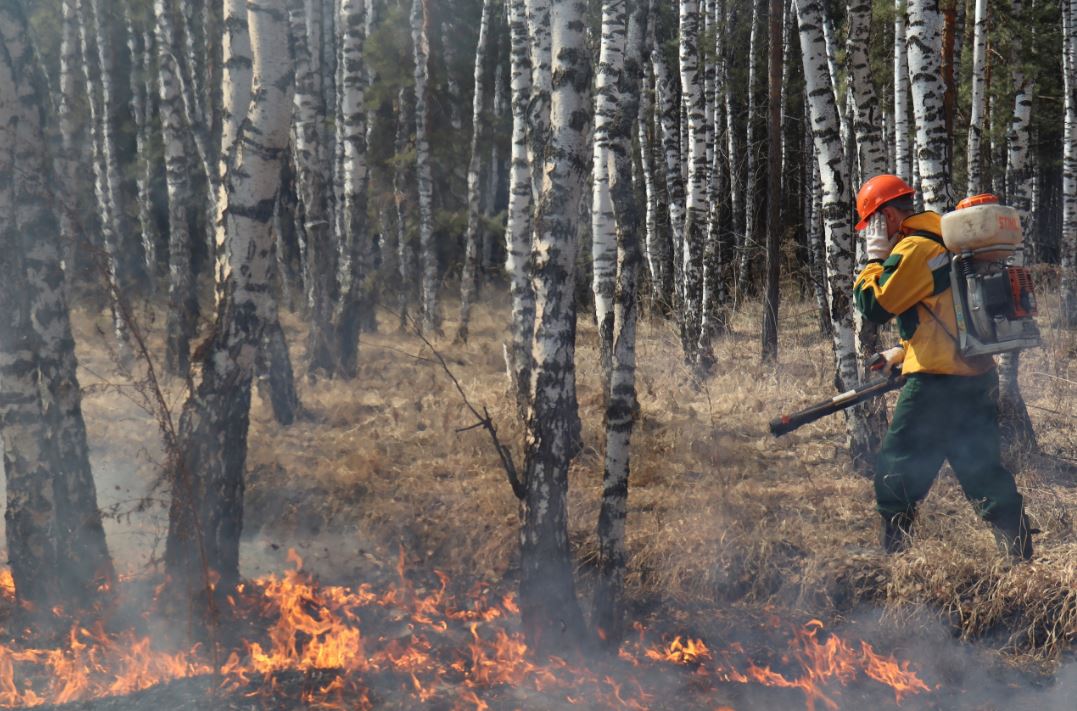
946,417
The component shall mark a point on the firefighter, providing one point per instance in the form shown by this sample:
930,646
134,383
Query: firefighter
948,408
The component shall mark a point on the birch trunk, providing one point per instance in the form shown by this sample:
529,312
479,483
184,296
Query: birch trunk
609,606
750,241
206,516
470,275
669,112
431,312
715,251
71,91
140,69
902,158
1018,435
655,247
55,539
733,151
405,252
355,237
610,66
695,223
1068,246
182,299
518,230
538,127
550,611
315,184
98,96
834,208
979,100
924,46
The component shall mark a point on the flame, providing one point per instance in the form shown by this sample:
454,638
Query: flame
427,647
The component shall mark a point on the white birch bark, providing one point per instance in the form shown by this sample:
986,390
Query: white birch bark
538,128
356,177
603,219
182,300
609,604
46,458
924,47
550,611
518,230
431,312
470,275
868,119
315,183
101,130
835,205
236,82
750,242
978,101
695,203
668,106
715,253
733,151
405,251
71,91
903,157
140,68
655,248
1068,246
206,518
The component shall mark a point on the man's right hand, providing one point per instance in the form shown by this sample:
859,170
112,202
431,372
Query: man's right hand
888,359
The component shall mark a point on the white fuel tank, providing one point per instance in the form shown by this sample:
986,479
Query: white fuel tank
982,226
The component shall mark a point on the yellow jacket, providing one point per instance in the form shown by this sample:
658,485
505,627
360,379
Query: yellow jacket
914,285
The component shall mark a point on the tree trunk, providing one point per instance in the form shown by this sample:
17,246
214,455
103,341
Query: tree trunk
1068,246
182,299
431,312
104,169
470,275
405,252
750,244
70,163
774,183
695,221
924,46
206,515
655,246
518,230
315,183
835,208
550,611
140,69
978,102
669,111
902,158
609,605
56,543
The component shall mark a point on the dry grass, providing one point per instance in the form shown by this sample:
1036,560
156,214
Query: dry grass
720,512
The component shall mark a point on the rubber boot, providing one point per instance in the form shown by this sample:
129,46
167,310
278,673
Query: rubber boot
1014,536
897,530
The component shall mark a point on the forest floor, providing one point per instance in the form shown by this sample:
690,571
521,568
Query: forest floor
727,525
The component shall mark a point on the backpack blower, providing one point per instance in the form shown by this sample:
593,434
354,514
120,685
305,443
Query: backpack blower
994,300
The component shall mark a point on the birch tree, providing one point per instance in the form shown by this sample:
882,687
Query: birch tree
1068,261
518,229
979,100
1015,423
55,540
836,196
99,94
924,47
315,184
206,515
749,240
141,67
548,605
902,162
182,298
356,240
469,277
668,105
609,604
695,204
428,265
71,90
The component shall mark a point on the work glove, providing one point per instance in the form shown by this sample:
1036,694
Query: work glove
877,242
888,360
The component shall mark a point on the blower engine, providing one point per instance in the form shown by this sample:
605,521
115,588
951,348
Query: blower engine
993,295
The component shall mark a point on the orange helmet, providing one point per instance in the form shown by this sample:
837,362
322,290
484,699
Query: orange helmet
974,200
877,192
